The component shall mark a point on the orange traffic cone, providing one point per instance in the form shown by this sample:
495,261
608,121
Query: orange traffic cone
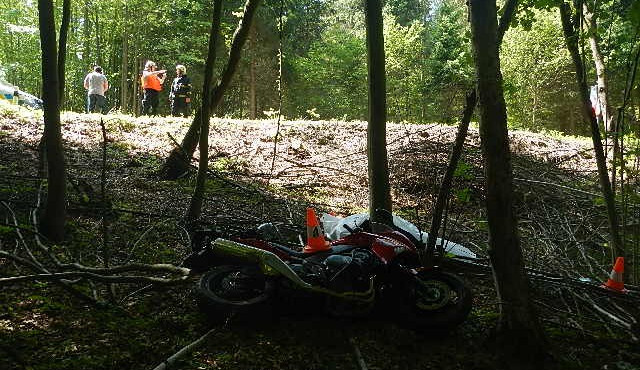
315,236
615,281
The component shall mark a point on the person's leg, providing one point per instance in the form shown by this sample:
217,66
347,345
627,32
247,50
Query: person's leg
88,104
187,107
174,107
100,103
179,106
146,103
92,103
155,101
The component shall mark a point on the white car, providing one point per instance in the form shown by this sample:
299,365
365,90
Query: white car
11,93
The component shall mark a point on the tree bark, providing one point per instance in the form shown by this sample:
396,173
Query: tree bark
519,334
62,48
124,66
53,220
98,46
447,180
571,39
252,74
179,159
456,152
603,96
379,189
195,207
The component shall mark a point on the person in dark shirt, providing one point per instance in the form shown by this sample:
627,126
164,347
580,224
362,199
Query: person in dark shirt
180,93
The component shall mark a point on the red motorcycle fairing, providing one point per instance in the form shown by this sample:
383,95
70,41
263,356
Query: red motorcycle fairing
386,246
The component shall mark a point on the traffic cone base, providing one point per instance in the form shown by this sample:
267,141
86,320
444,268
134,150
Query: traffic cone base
616,281
315,236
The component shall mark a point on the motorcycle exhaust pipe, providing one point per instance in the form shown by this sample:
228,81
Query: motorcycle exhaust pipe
272,265
269,263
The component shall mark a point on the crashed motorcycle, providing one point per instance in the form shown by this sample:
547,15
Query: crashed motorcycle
373,269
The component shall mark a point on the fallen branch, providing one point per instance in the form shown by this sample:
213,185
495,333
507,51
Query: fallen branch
185,350
133,279
159,267
190,347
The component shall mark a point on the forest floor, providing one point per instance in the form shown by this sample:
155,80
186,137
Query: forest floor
320,164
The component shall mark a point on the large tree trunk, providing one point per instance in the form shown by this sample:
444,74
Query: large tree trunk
598,59
62,48
379,189
54,216
179,159
196,200
571,39
508,12
520,337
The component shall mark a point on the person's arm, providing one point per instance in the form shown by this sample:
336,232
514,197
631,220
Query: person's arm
161,79
86,82
105,85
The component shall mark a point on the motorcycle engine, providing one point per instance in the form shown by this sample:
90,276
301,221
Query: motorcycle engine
350,272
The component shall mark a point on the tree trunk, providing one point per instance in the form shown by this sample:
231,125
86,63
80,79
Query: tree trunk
252,74
196,200
456,152
62,48
598,59
379,189
519,334
53,220
98,46
571,39
179,159
124,70
447,180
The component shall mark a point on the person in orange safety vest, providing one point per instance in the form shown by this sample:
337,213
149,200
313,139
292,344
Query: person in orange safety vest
152,80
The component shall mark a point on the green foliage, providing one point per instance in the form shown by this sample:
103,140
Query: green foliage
404,54
464,171
332,77
429,64
539,82
449,63
463,195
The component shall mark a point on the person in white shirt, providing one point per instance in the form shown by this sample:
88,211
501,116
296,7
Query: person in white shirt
96,85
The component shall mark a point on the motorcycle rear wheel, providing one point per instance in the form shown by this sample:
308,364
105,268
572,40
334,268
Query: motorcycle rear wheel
242,290
437,301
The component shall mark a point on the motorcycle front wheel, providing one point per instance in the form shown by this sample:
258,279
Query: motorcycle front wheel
242,290
437,301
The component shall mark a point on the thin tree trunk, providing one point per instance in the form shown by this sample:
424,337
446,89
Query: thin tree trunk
598,60
124,68
98,46
252,74
86,29
179,159
53,220
195,207
379,189
519,334
62,48
135,107
571,39
447,180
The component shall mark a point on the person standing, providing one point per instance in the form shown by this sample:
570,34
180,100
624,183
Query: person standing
97,85
180,92
152,80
